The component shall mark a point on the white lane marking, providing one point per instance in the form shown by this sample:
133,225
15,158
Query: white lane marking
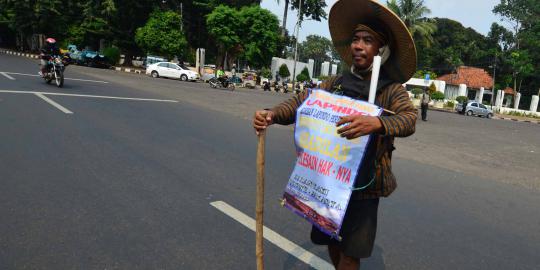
88,96
56,105
71,79
276,239
7,76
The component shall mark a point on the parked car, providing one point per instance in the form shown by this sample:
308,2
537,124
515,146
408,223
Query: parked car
475,108
171,70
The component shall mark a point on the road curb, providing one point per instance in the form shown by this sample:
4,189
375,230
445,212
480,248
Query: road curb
494,117
15,53
518,120
128,70
36,56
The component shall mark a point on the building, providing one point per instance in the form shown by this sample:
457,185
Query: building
468,81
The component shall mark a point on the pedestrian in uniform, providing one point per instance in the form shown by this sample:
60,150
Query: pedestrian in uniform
361,29
424,105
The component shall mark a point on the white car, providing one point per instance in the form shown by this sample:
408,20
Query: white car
171,70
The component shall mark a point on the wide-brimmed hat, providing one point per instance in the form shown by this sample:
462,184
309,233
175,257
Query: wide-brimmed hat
345,15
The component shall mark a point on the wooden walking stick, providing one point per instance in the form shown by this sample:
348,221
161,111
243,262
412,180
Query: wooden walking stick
259,207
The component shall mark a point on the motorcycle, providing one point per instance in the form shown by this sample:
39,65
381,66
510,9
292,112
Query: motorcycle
285,87
277,87
266,86
225,82
55,70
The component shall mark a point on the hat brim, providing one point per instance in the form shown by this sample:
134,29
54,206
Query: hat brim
345,15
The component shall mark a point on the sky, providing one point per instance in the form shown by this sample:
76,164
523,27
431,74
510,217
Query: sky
476,14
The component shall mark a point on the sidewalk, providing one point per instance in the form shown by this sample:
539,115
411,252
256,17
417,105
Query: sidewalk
496,116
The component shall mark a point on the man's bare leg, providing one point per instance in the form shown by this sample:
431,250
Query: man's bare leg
335,253
348,263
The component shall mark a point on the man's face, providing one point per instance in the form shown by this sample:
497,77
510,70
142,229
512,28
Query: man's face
363,48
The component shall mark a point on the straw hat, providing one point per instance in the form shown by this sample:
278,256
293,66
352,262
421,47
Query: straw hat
345,15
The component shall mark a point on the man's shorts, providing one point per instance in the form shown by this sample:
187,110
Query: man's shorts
357,232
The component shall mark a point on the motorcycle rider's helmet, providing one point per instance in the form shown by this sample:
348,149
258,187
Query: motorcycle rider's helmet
50,41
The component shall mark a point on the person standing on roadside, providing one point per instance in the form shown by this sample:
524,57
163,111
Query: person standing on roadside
360,30
424,105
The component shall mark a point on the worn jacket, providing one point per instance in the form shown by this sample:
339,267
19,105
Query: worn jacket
393,98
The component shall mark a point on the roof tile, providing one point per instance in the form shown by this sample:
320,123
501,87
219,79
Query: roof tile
471,76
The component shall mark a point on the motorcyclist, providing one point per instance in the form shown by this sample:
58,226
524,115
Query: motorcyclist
47,52
222,78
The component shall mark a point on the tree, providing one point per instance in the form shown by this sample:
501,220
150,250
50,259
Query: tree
313,9
315,47
284,21
522,54
259,29
284,71
413,13
162,34
303,76
223,25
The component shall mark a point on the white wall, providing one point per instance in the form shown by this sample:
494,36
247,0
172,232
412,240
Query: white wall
451,91
277,62
440,85
505,110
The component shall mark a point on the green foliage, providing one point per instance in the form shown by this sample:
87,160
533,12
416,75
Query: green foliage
413,13
421,74
315,47
284,71
257,27
437,96
312,9
112,54
323,78
450,104
303,76
223,24
162,35
462,99
432,88
522,114
266,72
260,33
417,92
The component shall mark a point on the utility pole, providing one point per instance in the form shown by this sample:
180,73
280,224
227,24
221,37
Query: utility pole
493,88
296,44
182,16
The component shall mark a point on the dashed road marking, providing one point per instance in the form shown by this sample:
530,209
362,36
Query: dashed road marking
54,104
276,239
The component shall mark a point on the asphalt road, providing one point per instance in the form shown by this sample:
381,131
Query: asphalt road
127,184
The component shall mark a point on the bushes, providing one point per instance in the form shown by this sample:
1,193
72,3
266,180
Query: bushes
462,99
416,92
432,88
303,76
112,54
437,96
284,71
266,73
450,104
323,78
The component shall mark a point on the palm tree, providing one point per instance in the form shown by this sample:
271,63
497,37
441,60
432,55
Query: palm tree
413,13
283,27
